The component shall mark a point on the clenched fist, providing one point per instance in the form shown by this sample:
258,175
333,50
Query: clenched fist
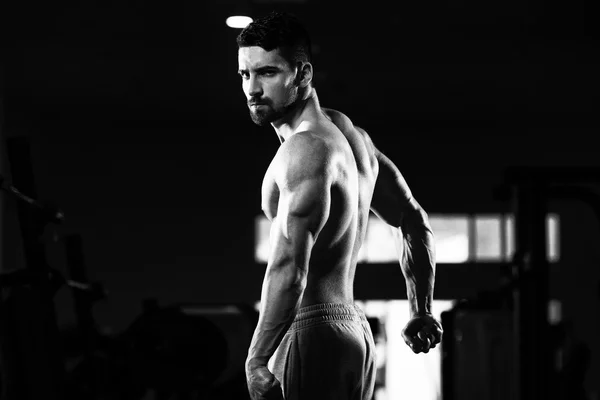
422,332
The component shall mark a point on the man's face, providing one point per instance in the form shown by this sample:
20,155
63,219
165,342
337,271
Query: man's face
268,83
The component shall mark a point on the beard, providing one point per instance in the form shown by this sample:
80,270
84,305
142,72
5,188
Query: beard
266,114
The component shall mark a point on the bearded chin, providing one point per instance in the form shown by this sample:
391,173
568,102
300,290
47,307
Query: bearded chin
263,117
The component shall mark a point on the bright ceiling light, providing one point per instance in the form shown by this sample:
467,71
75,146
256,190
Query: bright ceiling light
238,21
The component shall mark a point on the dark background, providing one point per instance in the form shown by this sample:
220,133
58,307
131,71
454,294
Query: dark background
140,132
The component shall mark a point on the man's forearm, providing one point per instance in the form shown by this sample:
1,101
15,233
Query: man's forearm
280,300
416,247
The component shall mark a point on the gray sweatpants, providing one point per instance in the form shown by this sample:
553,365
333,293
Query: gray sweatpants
328,353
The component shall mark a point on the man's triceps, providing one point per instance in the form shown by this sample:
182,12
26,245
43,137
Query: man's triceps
391,196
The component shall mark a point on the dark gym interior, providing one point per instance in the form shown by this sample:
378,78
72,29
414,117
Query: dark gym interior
131,177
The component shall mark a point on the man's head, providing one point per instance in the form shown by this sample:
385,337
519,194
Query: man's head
274,57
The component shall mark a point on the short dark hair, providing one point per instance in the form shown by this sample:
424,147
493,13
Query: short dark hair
278,30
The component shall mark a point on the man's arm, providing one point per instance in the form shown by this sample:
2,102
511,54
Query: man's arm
393,203
303,209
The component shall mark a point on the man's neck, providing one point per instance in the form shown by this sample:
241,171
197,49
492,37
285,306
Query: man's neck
306,111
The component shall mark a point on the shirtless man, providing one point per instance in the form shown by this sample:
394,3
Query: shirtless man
311,341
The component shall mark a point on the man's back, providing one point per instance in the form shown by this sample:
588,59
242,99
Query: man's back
352,169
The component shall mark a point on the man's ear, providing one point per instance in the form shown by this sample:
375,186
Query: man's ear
304,75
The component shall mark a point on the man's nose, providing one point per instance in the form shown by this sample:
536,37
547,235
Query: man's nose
254,87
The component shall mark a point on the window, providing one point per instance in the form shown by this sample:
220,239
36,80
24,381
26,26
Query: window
488,245
552,237
458,239
382,247
451,235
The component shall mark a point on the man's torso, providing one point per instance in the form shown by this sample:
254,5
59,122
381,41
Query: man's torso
334,255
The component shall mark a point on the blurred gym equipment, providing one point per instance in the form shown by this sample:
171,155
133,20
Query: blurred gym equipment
178,352
32,365
500,345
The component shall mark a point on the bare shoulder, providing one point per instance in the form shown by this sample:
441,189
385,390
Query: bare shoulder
345,124
340,119
356,135
305,155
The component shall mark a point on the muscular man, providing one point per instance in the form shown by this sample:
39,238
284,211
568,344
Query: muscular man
311,341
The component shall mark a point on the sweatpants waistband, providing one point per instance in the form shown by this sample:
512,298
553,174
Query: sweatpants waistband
327,312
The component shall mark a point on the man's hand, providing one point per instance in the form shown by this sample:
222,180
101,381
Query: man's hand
422,332
262,384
